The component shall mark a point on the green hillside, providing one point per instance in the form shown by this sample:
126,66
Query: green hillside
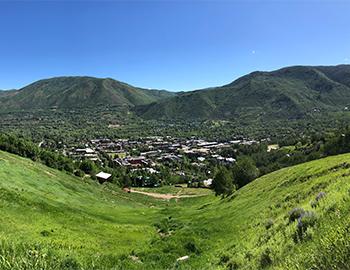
7,93
288,93
50,220
73,92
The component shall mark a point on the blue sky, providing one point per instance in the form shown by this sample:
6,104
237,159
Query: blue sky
175,45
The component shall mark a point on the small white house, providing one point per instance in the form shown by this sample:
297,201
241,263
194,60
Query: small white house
103,177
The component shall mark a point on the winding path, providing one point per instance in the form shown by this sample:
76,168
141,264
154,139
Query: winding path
162,196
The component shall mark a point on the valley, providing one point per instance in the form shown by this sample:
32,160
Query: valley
174,135
67,223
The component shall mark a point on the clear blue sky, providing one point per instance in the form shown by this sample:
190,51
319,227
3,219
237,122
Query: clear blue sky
175,45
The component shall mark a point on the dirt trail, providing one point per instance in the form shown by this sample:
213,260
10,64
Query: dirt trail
162,196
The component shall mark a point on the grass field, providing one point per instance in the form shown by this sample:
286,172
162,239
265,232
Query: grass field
50,220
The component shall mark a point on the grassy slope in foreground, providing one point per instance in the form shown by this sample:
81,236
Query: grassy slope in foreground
56,221
59,215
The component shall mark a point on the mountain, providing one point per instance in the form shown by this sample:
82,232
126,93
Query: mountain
288,93
294,218
4,93
291,92
69,92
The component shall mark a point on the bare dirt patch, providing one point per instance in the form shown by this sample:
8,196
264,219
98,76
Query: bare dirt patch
161,196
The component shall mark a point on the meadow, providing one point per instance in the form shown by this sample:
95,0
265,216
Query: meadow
294,218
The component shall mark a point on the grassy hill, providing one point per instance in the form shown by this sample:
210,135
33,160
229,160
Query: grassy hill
78,92
54,221
288,93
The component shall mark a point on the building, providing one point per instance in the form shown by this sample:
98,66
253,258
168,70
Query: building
103,177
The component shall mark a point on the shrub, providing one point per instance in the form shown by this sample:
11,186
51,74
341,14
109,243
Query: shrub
232,265
70,264
314,204
224,259
191,246
167,225
45,233
320,196
306,220
269,224
265,258
79,173
295,214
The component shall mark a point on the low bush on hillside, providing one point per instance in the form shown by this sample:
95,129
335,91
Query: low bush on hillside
295,214
305,221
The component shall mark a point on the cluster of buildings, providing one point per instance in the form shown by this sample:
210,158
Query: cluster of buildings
147,153
152,150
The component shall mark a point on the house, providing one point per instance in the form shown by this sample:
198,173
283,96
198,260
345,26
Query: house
137,161
272,147
85,153
103,177
208,182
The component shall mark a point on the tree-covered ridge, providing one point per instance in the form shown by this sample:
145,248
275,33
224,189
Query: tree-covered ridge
288,93
78,92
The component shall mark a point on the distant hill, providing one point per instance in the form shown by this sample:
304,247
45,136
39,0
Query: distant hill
291,93
68,92
7,93
288,93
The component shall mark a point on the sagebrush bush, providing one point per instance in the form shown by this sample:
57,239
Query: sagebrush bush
306,220
320,196
295,213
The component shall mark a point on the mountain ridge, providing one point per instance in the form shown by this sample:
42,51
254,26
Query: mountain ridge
79,91
291,92
287,93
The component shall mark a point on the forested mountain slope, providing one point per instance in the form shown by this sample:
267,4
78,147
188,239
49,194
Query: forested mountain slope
288,93
78,92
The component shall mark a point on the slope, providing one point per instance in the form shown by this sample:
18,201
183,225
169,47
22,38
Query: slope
288,93
73,92
47,215
294,218
54,221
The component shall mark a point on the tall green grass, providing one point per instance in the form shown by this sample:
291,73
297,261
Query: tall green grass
50,220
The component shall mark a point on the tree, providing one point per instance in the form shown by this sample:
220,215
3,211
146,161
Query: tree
124,181
244,171
223,182
87,166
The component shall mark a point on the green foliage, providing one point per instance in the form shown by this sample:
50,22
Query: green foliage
88,167
223,182
79,173
24,148
244,171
